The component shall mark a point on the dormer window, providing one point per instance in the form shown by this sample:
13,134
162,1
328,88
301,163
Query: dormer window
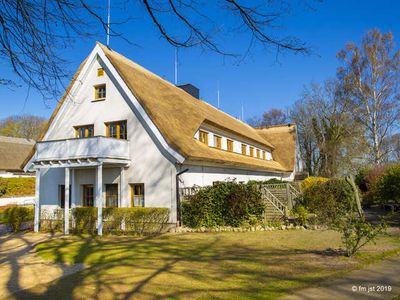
252,151
100,72
100,92
217,142
203,137
263,155
229,145
258,153
244,149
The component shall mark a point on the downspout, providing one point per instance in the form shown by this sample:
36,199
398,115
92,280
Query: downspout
178,198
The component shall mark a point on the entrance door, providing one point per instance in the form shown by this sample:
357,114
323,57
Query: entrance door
111,195
88,195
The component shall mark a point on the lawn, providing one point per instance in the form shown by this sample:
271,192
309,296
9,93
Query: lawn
248,265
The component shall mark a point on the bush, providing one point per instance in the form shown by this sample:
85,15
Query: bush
136,220
301,214
17,215
225,204
366,180
312,181
17,187
328,200
52,220
388,185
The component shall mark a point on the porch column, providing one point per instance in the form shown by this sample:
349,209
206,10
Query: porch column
66,202
73,189
36,221
99,198
122,200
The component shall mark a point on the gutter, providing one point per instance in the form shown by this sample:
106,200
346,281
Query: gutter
178,197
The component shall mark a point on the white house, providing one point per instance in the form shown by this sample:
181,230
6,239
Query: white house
122,136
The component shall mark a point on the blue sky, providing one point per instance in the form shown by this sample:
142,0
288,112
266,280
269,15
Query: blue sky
260,82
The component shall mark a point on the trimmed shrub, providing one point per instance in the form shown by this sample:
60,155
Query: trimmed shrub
85,219
52,220
17,215
225,204
17,187
388,185
312,181
136,220
366,180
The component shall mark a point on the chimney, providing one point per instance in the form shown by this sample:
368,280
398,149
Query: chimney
190,89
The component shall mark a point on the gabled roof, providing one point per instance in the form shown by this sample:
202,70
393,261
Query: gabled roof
177,116
13,151
284,139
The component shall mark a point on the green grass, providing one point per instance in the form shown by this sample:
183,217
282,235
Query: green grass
251,265
17,187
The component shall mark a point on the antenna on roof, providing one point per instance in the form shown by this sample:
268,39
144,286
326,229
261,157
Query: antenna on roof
218,94
108,23
176,66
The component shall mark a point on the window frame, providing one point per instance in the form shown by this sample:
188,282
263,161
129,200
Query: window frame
217,141
258,153
84,200
61,195
100,72
86,128
244,149
118,129
142,194
263,154
95,89
229,145
251,152
107,194
204,134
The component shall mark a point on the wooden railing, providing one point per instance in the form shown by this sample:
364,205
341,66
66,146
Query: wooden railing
271,198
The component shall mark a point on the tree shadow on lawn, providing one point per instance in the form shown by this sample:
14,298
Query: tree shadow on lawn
157,267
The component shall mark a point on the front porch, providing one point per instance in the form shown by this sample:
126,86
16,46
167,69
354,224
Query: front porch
74,169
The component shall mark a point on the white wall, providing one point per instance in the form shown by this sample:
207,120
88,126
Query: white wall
203,176
148,164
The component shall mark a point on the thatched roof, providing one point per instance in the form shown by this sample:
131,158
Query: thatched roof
13,151
178,116
284,139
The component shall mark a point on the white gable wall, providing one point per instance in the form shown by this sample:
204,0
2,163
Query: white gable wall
148,164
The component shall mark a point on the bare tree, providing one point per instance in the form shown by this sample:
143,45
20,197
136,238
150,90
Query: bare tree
23,126
34,33
370,74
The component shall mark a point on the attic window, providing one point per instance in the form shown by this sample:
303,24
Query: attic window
252,151
229,145
100,72
263,155
244,149
217,142
258,153
99,92
203,137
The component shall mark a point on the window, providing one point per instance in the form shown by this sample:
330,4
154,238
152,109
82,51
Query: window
88,195
252,151
258,153
100,72
84,131
137,194
111,195
263,155
244,149
217,142
61,193
100,92
203,137
229,145
117,130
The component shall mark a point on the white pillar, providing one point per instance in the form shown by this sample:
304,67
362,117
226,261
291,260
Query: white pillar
73,189
66,204
122,200
36,221
99,198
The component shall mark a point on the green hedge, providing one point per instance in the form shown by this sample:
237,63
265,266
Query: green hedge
15,216
17,187
136,220
388,185
52,220
225,204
